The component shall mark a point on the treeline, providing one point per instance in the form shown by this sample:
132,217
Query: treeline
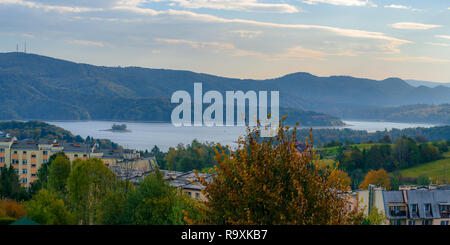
325,136
89,193
40,130
403,153
37,130
410,113
194,156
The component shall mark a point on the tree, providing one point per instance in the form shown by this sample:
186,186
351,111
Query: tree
154,202
58,173
10,186
44,172
11,209
423,180
267,182
88,183
376,177
47,209
375,217
339,178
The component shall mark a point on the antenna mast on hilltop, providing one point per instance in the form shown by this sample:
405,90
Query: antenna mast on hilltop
25,48
17,48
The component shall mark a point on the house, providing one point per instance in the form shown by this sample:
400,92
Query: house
422,206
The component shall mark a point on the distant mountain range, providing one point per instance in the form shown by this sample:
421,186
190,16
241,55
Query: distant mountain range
417,83
39,87
437,114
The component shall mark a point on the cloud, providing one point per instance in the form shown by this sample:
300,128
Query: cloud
214,46
237,5
413,26
439,44
421,59
342,2
46,7
443,36
87,43
394,6
246,33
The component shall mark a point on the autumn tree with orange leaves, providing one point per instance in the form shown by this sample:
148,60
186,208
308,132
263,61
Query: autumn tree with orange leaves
378,178
266,181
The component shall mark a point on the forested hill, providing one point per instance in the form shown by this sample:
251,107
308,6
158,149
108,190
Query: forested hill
39,87
438,114
325,136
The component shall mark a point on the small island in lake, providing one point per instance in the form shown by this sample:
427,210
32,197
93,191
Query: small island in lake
118,128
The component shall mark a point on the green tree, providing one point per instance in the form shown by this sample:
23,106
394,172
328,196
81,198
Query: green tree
10,186
423,180
58,173
154,202
88,184
47,209
43,173
375,217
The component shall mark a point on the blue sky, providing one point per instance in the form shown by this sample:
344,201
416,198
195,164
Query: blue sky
376,39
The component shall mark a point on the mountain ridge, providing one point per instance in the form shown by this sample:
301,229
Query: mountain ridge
71,89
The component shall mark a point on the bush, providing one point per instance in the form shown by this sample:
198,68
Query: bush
6,220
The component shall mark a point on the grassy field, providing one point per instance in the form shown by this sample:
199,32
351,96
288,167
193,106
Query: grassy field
438,170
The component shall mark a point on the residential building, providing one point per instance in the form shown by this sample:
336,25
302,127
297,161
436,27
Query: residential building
27,156
421,206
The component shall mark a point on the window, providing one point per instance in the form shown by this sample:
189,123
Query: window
16,171
24,171
15,152
427,209
33,165
426,222
2,159
444,222
197,195
15,161
24,180
45,153
411,222
414,208
33,175
24,152
24,162
33,156
85,155
189,193
45,161
76,155
2,149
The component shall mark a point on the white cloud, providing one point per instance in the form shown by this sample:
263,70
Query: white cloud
246,33
439,44
46,7
395,6
87,43
237,5
443,36
421,59
413,26
342,2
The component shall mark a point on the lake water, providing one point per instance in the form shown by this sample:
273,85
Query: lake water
164,135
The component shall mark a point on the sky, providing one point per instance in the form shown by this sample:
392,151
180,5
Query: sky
260,39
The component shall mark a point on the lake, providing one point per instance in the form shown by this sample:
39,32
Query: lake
145,135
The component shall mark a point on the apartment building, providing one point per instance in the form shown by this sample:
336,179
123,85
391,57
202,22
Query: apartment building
27,156
409,206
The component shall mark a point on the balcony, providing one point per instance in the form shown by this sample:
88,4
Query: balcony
397,213
445,214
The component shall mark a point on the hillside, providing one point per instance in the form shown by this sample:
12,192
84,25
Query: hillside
439,114
437,171
39,87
